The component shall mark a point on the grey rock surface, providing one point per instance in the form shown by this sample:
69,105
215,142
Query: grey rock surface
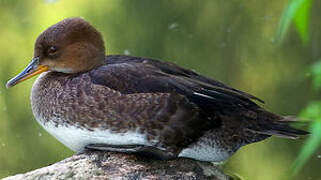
117,166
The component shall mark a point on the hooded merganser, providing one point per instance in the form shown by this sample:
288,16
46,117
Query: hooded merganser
134,104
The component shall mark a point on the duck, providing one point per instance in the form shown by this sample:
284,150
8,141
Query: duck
90,101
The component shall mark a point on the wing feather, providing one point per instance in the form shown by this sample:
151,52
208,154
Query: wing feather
129,74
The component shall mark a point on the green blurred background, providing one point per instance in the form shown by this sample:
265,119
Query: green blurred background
232,41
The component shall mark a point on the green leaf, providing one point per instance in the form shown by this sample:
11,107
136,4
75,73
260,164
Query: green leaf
301,20
313,111
297,11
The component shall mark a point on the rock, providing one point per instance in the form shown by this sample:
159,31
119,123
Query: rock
118,166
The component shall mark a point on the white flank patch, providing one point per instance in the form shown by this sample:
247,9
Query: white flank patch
207,149
76,139
205,153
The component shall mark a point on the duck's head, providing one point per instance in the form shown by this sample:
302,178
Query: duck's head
70,46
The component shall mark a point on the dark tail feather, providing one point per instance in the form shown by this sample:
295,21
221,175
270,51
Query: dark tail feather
282,128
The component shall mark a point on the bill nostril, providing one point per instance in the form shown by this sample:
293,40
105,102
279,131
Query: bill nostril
28,70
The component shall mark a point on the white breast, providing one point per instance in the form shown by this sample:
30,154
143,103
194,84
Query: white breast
76,139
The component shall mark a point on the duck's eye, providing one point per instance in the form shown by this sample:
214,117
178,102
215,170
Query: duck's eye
52,50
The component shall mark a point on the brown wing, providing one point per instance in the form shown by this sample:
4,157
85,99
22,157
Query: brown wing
141,75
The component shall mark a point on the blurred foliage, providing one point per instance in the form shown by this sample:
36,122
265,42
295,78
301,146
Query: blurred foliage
298,11
311,112
316,75
232,41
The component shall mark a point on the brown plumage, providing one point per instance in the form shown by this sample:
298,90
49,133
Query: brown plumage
169,111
